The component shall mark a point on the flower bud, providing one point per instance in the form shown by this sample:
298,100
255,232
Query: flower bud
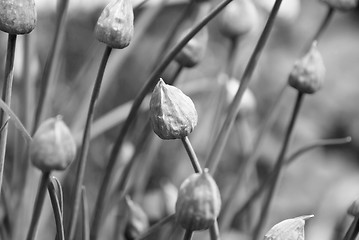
290,229
17,16
238,18
53,146
137,220
198,203
115,24
248,102
342,5
308,73
194,50
172,113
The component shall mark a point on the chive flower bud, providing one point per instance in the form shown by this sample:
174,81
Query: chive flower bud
308,73
238,18
342,5
53,146
194,50
17,17
290,229
198,203
172,113
137,220
115,24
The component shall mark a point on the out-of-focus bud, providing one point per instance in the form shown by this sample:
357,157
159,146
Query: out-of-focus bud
170,194
248,103
172,113
194,50
353,210
288,12
115,24
238,18
308,73
17,17
198,203
342,5
290,229
137,220
53,146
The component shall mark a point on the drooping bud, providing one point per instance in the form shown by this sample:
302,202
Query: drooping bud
308,73
353,210
115,24
194,50
137,220
53,146
342,5
290,229
248,103
17,17
172,113
238,18
198,203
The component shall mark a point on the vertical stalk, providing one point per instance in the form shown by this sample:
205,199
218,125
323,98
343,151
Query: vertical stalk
85,218
278,168
99,206
6,96
52,62
85,146
188,235
39,202
218,147
57,211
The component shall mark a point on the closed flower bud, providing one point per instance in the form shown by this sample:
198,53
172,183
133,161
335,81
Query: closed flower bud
290,229
308,73
115,24
342,5
17,16
172,113
238,18
353,210
194,50
53,147
198,203
137,220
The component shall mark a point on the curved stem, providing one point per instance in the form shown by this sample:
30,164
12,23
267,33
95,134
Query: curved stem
133,112
277,168
85,146
39,201
57,211
192,155
52,62
218,147
6,96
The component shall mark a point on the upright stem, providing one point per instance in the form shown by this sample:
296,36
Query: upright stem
324,24
218,147
192,155
278,168
133,112
52,62
188,235
232,53
57,211
6,96
85,146
39,201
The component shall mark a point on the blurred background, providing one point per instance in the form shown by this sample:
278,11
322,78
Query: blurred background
323,182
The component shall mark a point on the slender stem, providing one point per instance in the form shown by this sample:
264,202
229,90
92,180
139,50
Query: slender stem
324,24
85,146
85,218
51,63
188,235
249,162
353,230
232,57
154,228
214,231
133,112
39,201
218,147
192,155
57,211
6,96
277,168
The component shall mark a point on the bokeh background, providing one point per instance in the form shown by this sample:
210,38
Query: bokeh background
323,182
